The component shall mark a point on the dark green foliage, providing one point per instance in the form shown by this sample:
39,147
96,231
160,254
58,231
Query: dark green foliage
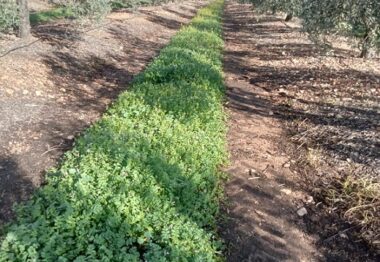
117,4
94,9
352,18
142,183
292,7
50,15
89,9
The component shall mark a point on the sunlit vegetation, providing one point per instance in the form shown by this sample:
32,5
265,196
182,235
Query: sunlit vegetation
89,9
143,183
50,15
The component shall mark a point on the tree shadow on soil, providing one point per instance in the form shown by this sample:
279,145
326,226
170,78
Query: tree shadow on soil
177,13
253,230
83,87
333,118
57,34
86,85
14,187
86,82
353,120
176,187
253,104
173,24
245,230
166,22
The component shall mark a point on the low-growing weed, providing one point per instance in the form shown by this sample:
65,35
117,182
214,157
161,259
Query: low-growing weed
143,182
9,15
50,15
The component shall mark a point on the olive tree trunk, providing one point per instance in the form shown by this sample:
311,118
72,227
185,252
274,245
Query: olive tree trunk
364,47
24,28
289,16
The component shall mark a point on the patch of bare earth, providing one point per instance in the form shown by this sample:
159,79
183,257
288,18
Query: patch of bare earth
60,81
40,5
301,122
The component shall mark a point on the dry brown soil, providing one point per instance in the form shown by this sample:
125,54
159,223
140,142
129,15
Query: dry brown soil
276,77
60,81
288,101
39,5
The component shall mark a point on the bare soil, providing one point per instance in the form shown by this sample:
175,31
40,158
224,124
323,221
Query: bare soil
61,80
39,5
298,117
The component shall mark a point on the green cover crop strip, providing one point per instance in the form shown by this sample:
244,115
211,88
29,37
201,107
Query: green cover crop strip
143,182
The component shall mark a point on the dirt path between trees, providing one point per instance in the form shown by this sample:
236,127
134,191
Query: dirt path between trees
263,198
271,215
63,80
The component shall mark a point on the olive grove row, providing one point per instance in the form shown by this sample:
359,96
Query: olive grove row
358,19
15,17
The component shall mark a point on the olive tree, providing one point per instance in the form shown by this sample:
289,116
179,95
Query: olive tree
24,24
94,9
290,7
352,18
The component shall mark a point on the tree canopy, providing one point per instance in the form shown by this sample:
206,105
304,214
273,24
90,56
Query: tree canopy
353,18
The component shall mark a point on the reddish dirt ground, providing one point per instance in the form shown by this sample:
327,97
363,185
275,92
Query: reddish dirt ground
60,81
297,118
276,78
